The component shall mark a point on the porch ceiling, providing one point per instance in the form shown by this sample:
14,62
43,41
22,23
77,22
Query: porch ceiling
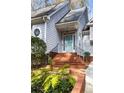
67,26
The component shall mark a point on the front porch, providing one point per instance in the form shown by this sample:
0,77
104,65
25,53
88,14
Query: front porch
68,41
68,37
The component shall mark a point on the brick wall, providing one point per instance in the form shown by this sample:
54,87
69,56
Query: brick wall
80,80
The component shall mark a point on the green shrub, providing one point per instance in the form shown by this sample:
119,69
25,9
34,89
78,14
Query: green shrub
38,49
86,56
86,53
59,82
49,60
46,81
37,80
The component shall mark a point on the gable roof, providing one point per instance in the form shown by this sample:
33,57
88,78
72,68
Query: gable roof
46,11
89,24
73,15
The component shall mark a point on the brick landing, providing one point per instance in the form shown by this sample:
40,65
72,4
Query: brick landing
72,59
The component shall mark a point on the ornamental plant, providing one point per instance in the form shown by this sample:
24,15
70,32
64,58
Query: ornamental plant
59,82
86,56
47,81
37,79
50,63
38,49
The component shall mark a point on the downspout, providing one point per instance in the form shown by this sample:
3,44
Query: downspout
45,31
45,18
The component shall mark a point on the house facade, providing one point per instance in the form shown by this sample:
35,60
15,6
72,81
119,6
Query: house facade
43,23
88,37
70,27
60,27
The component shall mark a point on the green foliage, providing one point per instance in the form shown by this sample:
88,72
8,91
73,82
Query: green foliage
38,49
37,79
86,56
49,60
86,53
45,81
50,63
60,82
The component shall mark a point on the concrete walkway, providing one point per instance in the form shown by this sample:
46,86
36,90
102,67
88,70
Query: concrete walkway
89,79
89,87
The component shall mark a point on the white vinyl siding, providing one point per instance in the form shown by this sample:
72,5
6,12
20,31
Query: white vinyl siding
52,35
91,33
82,22
41,28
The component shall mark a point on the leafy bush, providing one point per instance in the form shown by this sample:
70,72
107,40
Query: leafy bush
86,56
86,53
37,79
50,63
49,60
38,49
46,81
60,82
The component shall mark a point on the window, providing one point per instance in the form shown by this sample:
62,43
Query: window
36,32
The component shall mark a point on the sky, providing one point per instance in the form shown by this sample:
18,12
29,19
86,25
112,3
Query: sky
90,4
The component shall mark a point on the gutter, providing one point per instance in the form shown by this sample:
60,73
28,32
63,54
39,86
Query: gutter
46,19
45,31
62,23
67,25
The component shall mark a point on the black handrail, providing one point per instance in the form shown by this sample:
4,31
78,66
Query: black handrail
78,49
55,49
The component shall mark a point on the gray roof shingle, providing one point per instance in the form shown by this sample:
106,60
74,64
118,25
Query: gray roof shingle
73,15
45,11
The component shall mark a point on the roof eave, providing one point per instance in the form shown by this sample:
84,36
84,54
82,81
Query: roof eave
37,20
67,26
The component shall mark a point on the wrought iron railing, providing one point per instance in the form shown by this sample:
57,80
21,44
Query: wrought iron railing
79,50
55,49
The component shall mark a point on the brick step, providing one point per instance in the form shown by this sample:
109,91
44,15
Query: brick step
72,59
73,66
59,59
68,60
70,63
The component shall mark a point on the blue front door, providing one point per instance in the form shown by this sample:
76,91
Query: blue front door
68,43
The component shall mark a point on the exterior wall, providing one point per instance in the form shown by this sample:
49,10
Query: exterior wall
80,80
91,39
53,37
91,33
82,22
86,42
41,27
